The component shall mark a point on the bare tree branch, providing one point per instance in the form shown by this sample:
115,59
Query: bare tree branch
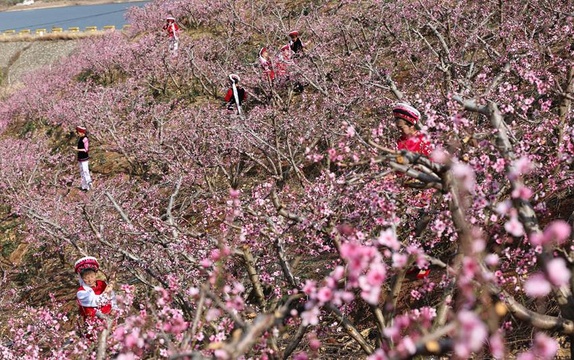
61,233
296,339
253,276
118,208
351,330
543,322
103,339
169,214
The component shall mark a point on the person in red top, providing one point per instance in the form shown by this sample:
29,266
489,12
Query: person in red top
95,298
411,139
406,119
283,62
235,91
173,33
267,65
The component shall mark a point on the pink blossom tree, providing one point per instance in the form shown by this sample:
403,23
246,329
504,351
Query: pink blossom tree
271,234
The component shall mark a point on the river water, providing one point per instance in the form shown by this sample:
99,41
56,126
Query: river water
70,16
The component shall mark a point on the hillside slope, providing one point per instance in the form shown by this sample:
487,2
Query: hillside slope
289,230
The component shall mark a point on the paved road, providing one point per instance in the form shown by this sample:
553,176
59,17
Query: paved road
65,17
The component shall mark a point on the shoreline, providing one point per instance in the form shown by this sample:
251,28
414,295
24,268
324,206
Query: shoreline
64,3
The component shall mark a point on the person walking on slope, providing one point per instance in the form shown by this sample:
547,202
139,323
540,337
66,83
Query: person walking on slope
173,34
82,150
411,139
96,298
235,94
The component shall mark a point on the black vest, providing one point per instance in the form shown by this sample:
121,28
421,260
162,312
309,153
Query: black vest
82,155
296,45
240,95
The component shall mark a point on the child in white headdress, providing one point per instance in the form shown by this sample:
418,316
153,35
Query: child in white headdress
96,298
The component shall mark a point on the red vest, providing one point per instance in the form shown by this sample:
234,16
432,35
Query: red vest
90,312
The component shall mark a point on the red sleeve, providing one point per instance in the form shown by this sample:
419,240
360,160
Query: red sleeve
175,27
229,95
100,287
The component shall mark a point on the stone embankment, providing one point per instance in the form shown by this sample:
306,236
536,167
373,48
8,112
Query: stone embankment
20,57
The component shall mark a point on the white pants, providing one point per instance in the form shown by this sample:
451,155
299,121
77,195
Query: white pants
85,174
173,46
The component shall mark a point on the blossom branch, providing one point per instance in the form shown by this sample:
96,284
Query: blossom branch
232,314
281,209
526,212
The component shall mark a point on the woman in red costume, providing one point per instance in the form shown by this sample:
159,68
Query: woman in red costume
411,139
266,65
406,119
172,30
96,298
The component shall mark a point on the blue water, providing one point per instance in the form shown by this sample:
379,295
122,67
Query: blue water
65,17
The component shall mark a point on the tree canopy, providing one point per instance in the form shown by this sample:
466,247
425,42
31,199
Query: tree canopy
290,230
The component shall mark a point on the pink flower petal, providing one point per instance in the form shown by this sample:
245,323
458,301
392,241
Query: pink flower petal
558,273
537,286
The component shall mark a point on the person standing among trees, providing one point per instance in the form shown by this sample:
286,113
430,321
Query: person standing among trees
284,61
406,120
411,139
172,31
82,150
96,298
266,65
295,43
235,96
